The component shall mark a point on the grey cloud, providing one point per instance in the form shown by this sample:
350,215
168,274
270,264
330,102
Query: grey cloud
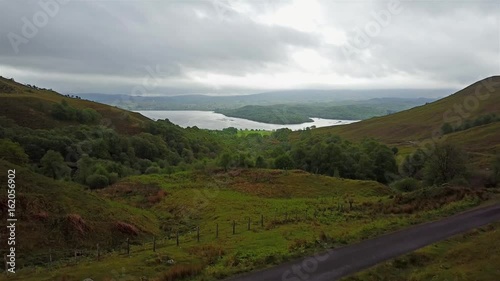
99,37
451,42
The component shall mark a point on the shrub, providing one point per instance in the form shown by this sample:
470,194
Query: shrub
406,185
97,181
459,181
12,152
152,170
113,178
446,128
283,162
180,271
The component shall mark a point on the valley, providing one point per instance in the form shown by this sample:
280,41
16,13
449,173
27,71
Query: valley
98,184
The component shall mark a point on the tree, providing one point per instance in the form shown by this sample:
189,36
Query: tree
12,152
225,160
283,162
384,163
496,168
84,169
97,181
413,164
445,163
394,150
260,162
53,165
446,128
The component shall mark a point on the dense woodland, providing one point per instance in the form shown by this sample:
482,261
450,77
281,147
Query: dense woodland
97,156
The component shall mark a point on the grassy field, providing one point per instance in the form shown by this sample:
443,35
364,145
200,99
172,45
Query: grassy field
301,213
244,133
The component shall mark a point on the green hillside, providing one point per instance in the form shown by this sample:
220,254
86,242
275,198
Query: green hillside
62,216
31,107
301,113
89,173
422,126
421,122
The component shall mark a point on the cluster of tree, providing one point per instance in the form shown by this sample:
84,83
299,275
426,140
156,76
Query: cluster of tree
98,156
443,163
63,111
333,156
328,155
447,128
267,114
73,96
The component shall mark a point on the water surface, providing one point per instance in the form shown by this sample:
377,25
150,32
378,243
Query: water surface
216,121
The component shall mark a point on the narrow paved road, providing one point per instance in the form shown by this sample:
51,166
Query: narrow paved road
337,263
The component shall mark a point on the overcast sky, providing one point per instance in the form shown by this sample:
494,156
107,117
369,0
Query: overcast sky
230,47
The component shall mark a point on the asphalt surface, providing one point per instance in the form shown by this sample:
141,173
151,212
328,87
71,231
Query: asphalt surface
337,263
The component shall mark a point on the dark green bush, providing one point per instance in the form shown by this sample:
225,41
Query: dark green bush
152,170
97,181
406,185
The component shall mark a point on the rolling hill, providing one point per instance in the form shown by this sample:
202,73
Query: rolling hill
31,107
62,216
169,182
207,102
419,126
419,123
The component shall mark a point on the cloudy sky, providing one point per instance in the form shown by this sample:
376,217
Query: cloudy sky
230,47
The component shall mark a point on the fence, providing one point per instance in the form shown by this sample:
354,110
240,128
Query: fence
210,233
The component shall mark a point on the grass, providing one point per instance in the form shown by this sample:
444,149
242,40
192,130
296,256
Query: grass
414,128
246,132
25,104
470,256
302,213
63,216
419,123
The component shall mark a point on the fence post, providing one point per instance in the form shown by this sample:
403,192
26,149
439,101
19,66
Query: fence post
261,220
154,243
234,227
128,246
198,233
98,253
217,231
177,238
50,256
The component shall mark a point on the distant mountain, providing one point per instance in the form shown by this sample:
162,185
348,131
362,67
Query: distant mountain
421,127
205,102
300,113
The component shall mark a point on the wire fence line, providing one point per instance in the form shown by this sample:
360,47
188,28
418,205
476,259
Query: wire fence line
215,231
